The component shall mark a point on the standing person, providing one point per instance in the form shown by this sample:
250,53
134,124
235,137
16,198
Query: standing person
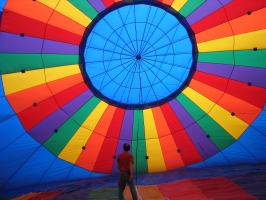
125,163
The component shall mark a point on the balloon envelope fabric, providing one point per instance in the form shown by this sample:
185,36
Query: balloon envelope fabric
181,81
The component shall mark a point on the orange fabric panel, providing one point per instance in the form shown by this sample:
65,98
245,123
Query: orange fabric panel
243,110
249,23
60,85
182,190
160,121
24,99
220,31
211,93
171,157
29,8
168,2
63,22
89,157
150,192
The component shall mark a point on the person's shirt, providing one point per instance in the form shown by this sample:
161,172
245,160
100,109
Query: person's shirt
124,159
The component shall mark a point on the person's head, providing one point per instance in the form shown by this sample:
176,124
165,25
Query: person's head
126,147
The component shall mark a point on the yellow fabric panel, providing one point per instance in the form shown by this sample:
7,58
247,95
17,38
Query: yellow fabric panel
178,4
93,119
222,44
149,124
233,125
156,160
67,9
56,73
20,81
251,40
50,4
73,148
201,101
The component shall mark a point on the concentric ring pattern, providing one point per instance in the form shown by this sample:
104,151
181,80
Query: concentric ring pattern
142,58
54,126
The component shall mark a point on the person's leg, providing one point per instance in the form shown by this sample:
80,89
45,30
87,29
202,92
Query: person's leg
121,186
132,190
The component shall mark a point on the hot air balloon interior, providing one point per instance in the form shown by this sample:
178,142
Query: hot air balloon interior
182,81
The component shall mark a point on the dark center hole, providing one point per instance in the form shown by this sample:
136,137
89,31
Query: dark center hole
138,57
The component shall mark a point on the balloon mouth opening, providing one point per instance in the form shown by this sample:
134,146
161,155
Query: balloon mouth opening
140,88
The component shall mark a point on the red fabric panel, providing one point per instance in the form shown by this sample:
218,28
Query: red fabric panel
71,93
247,93
105,159
108,3
217,82
181,190
189,153
231,11
221,188
16,23
33,115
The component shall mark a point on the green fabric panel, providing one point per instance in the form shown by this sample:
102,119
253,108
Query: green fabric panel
10,63
138,126
85,7
140,165
58,141
190,107
138,141
86,110
251,58
190,6
222,57
53,60
218,135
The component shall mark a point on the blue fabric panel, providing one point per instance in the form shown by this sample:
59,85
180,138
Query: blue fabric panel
58,171
11,130
238,154
2,4
6,110
1,87
33,169
79,173
16,155
259,123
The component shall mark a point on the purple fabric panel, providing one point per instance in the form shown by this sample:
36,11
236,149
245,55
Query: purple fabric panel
204,145
13,43
215,69
76,103
97,4
257,76
42,131
59,47
204,10
125,135
224,2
